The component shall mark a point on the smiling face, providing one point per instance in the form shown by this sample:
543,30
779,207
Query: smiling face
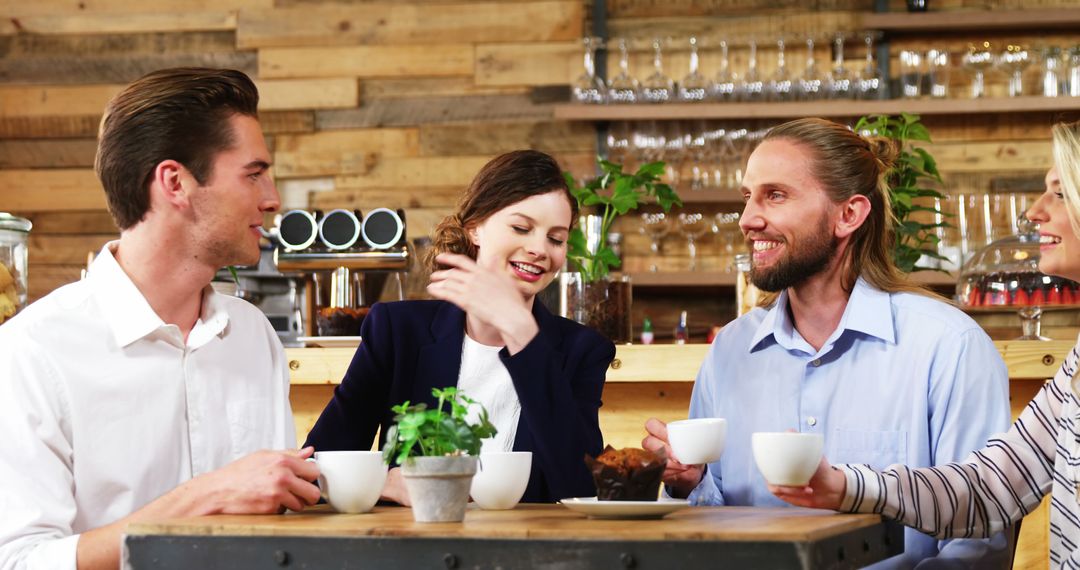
525,240
1059,247
787,219
228,210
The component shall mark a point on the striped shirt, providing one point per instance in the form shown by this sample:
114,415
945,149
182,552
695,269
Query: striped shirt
996,485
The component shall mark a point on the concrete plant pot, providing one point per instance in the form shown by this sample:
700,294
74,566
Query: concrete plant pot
439,486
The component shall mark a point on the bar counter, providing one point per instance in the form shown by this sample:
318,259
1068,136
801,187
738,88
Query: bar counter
526,537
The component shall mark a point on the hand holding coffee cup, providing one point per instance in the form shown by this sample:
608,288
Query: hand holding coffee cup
501,479
787,458
351,481
697,441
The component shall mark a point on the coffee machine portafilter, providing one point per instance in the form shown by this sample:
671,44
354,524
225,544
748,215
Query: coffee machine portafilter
345,260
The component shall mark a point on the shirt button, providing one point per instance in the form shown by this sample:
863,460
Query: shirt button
816,362
811,421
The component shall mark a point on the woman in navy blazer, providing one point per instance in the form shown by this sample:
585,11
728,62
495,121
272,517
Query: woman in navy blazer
506,242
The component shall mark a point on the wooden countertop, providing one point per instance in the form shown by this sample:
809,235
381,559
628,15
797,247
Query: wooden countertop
675,363
528,522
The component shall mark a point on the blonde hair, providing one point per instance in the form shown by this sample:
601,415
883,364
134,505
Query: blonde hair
1067,160
847,165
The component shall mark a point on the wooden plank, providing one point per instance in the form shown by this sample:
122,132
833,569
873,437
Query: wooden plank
991,156
495,138
126,23
114,69
408,198
57,100
618,9
25,191
1035,360
45,153
527,63
44,279
975,21
65,249
33,127
401,23
279,94
332,153
22,8
429,110
73,223
82,45
765,27
417,171
367,61
991,126
396,88
628,405
287,122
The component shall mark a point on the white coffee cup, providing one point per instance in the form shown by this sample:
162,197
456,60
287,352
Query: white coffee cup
351,481
697,441
501,479
787,458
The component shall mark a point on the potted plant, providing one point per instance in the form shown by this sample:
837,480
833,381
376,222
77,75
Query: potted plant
910,189
437,452
588,295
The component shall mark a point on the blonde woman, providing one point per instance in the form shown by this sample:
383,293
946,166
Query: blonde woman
999,484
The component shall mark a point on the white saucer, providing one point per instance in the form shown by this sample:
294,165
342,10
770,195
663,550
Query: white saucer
597,509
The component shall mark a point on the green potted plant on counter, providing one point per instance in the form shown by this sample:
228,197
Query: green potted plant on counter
437,451
910,189
588,294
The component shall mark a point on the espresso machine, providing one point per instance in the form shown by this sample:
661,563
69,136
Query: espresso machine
340,263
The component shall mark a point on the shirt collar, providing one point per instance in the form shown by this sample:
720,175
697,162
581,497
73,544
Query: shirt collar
868,311
130,317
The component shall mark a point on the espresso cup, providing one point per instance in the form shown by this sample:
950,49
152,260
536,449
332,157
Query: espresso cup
697,441
787,458
500,479
351,481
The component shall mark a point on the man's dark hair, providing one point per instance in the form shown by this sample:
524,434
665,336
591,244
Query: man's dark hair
179,114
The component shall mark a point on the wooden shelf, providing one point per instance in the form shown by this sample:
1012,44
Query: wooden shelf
1007,20
687,111
724,279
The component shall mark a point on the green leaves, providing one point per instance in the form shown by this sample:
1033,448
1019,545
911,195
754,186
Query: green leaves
418,431
614,193
914,168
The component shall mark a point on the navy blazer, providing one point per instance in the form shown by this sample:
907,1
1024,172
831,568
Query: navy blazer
410,347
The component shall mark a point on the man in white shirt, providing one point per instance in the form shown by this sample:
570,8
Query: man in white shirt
138,392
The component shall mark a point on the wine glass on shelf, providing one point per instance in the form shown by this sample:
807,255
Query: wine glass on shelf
1053,77
726,227
693,226
810,83
588,88
978,59
780,84
723,87
871,82
620,144
694,87
676,143
841,82
655,226
658,87
623,88
752,86
1014,60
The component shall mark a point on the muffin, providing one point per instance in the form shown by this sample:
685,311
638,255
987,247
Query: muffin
628,474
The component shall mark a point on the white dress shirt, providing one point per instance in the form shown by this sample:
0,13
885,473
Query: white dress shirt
484,378
104,407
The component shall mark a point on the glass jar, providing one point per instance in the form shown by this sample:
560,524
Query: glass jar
14,235
1005,275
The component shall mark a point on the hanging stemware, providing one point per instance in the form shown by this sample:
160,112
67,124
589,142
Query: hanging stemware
623,88
752,87
694,87
657,88
1014,60
588,88
840,79
978,59
871,81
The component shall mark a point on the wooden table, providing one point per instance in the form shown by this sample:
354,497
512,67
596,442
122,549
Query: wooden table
529,536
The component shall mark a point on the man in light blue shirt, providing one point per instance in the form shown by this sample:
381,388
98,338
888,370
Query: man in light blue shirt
848,349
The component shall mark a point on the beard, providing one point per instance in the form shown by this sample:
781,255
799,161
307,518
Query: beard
806,256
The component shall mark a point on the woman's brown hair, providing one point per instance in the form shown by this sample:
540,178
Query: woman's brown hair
507,179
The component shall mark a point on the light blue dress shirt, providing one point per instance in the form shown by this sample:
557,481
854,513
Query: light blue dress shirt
904,378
